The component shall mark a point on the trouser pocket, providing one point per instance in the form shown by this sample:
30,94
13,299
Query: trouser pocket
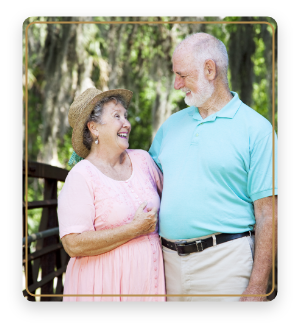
251,242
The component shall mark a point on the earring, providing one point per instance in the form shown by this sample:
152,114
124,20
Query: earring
97,141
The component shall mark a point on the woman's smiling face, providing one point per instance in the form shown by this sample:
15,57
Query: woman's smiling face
114,129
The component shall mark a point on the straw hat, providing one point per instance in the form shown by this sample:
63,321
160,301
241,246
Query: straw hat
82,107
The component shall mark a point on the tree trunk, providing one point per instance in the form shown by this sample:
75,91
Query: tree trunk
58,96
114,49
241,48
161,109
268,52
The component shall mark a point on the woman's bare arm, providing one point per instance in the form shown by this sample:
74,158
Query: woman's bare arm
93,243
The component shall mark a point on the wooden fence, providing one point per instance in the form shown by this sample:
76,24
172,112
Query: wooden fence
49,258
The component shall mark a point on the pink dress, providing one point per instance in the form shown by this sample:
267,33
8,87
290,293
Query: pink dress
91,201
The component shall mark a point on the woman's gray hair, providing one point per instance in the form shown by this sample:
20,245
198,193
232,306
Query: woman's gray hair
95,116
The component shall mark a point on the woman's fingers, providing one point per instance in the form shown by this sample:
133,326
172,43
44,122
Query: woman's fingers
141,207
151,208
146,218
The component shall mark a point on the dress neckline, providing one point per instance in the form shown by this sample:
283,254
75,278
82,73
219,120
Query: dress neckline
132,166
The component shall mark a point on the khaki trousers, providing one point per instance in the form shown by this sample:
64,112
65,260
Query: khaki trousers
222,269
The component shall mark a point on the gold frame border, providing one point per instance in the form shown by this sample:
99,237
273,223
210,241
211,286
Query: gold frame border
26,157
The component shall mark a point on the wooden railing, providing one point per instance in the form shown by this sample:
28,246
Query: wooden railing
49,258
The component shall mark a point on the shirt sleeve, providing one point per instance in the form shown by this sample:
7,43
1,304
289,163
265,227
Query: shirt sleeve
157,175
154,150
260,176
76,209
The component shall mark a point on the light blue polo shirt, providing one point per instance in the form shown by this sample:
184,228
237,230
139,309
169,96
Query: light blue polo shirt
214,169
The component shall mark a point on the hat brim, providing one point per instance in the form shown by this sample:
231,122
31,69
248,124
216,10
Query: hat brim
77,135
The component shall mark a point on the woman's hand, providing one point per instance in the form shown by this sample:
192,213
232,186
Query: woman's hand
91,243
145,219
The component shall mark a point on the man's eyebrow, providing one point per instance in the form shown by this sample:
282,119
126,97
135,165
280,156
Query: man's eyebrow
172,70
180,73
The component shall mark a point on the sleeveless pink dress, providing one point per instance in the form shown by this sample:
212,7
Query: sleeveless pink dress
91,201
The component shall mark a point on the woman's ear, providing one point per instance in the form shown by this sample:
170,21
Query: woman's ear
93,128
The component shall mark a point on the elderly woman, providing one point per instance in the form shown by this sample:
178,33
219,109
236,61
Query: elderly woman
108,206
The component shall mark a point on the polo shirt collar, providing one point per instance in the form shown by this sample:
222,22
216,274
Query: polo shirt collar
228,111
230,108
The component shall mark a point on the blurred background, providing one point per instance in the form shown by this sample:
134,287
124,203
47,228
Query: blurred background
66,59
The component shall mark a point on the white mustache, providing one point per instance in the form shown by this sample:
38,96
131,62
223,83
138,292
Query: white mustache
185,90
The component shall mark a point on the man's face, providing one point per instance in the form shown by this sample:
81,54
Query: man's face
191,79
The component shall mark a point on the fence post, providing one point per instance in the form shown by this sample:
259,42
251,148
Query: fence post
30,277
48,220
49,256
23,209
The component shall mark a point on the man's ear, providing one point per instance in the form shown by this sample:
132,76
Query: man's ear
210,69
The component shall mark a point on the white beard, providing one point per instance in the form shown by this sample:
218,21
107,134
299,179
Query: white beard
205,92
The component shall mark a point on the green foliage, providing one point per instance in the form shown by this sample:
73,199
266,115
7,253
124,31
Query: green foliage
140,58
35,189
34,218
262,92
260,95
65,149
146,47
262,59
140,119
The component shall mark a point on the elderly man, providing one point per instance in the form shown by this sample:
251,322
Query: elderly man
216,157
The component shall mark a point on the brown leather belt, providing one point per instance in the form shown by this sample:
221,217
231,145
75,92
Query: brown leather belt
184,248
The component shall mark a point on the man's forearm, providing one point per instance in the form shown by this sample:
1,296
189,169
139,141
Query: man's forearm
263,257
265,234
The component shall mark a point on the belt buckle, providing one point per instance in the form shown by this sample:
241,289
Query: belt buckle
180,243
197,242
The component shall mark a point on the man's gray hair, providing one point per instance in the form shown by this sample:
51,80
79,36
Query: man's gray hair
96,115
205,47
